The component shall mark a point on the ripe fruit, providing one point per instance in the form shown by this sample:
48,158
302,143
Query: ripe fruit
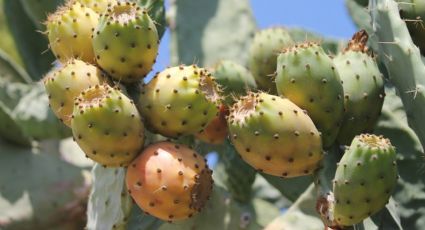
263,53
274,135
69,31
126,42
107,126
364,179
179,101
363,89
307,77
169,181
216,131
235,80
64,84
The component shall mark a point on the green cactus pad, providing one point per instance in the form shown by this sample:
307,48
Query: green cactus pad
64,84
363,89
274,135
107,126
263,53
179,101
413,13
70,32
126,42
364,179
307,77
234,79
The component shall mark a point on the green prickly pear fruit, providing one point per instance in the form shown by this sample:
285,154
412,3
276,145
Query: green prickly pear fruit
169,181
69,31
363,89
64,84
99,6
413,13
364,179
263,54
107,126
307,77
235,80
126,42
216,131
179,101
274,135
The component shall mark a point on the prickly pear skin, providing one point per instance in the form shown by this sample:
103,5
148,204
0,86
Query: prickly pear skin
216,131
126,42
98,6
179,101
263,53
107,126
169,181
364,91
307,77
274,135
64,84
69,31
364,180
234,79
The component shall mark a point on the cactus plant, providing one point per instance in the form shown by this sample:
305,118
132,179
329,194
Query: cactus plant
265,150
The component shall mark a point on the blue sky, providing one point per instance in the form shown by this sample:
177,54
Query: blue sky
327,17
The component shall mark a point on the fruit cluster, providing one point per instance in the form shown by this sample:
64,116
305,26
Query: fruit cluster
306,102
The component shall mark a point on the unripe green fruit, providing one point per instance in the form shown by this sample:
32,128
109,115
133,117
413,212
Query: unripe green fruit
274,135
263,53
107,126
126,42
234,79
307,77
363,89
365,179
179,101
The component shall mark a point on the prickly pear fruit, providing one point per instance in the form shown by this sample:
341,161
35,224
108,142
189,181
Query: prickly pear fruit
216,131
274,135
64,84
413,13
98,6
307,77
234,79
69,31
107,126
179,101
263,53
126,42
364,179
363,89
169,181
